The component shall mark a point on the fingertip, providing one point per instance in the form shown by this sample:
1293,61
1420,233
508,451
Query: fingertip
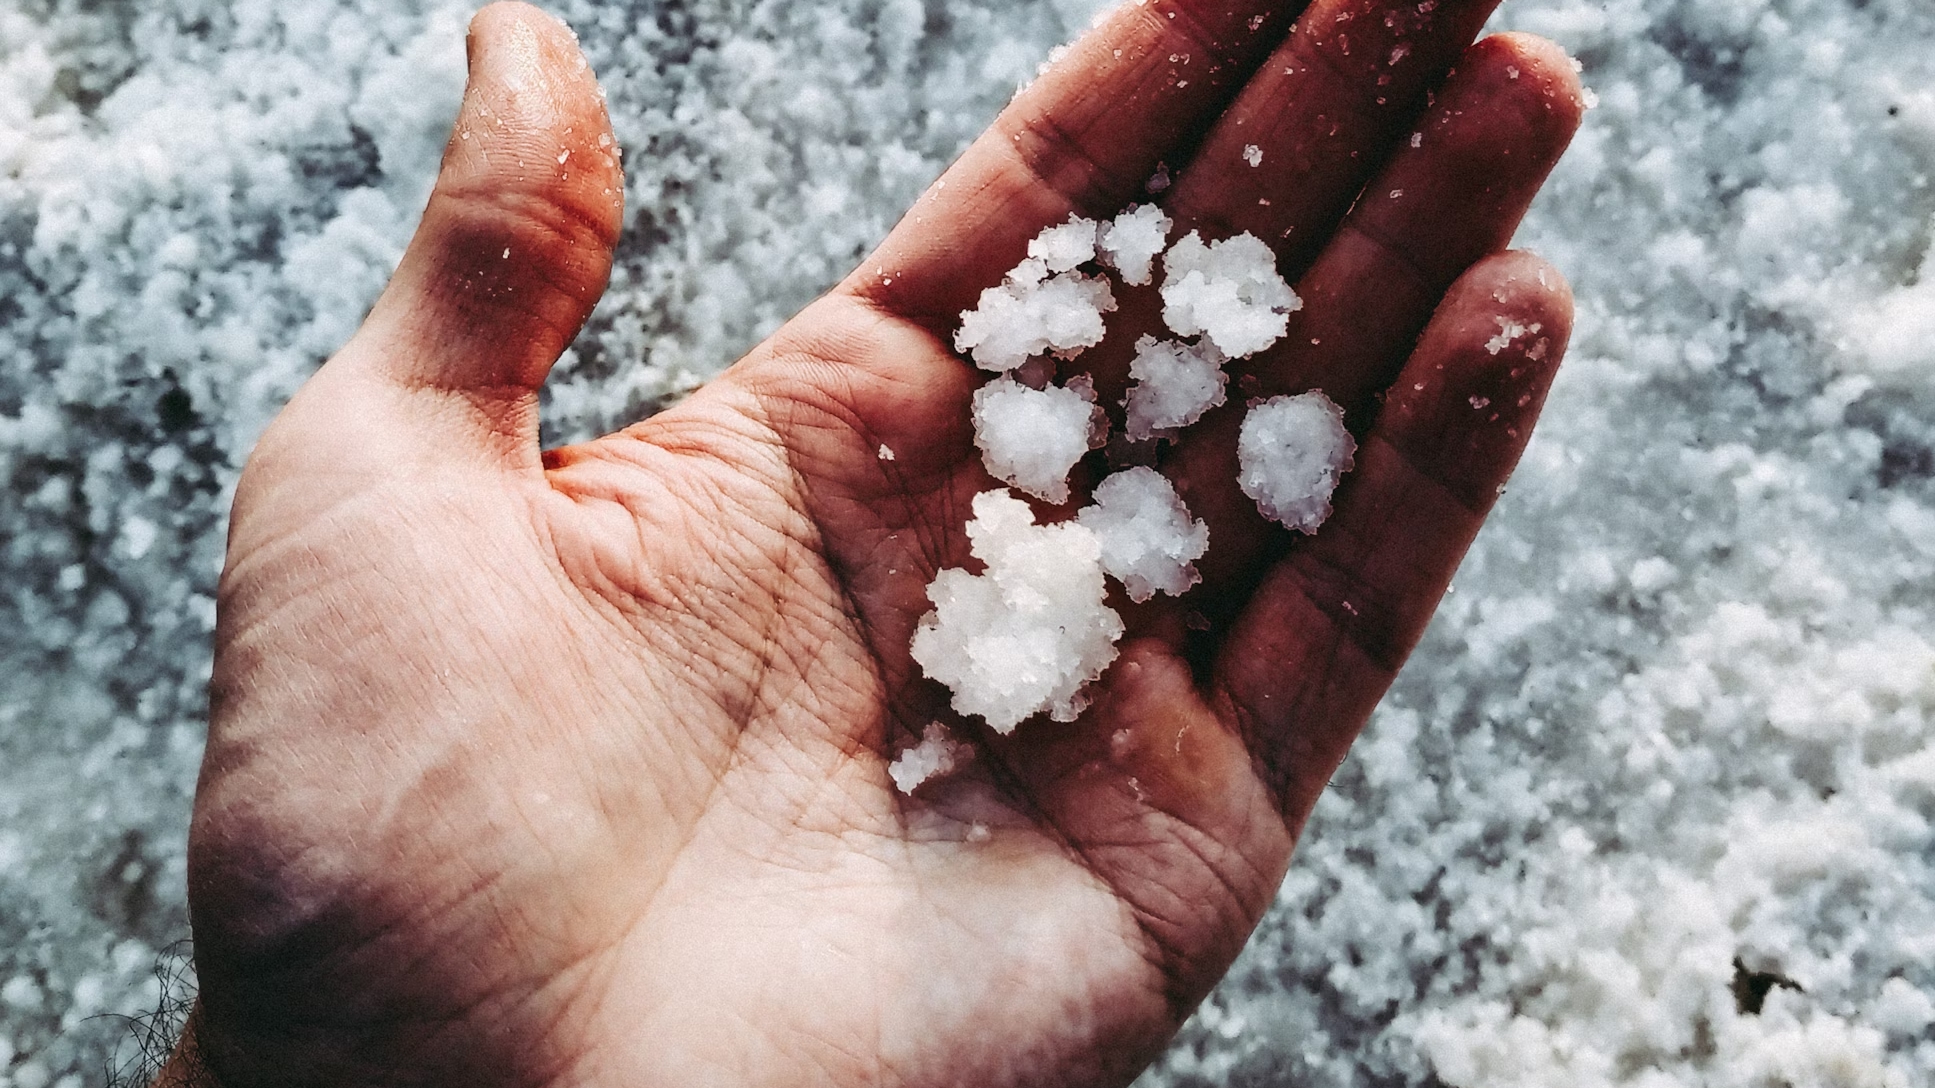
1465,404
1515,286
534,118
516,244
1536,75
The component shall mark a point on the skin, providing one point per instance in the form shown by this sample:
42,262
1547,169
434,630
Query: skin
569,767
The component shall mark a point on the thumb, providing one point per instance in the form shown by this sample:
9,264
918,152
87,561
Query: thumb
515,246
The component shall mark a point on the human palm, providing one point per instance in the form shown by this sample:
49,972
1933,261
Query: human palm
570,768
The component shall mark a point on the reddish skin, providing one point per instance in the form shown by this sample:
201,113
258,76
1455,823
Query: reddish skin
571,768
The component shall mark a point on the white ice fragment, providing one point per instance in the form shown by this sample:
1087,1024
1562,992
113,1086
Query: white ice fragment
1129,242
1891,336
1175,383
885,453
1030,438
1508,331
1149,541
1253,155
1032,631
138,534
1063,247
1290,454
937,754
1229,291
1034,312
1902,1009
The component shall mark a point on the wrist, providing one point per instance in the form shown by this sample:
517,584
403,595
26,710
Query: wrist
185,1067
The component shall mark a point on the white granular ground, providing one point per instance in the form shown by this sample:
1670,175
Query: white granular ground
1130,242
1149,541
1063,247
1679,710
1290,454
1033,313
1174,384
1229,291
1030,438
937,754
1026,636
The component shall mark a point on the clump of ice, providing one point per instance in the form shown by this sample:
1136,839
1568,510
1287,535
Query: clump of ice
1030,438
1028,634
1065,246
1034,312
1130,242
1149,541
1228,291
937,754
1290,454
1175,383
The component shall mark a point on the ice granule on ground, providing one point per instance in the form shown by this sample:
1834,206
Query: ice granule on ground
937,754
1034,312
1149,541
1229,291
1065,246
1129,242
1030,438
1028,634
1175,383
1290,454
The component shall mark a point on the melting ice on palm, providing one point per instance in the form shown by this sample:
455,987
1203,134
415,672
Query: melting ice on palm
1149,541
1063,247
1030,438
1175,383
1228,291
937,754
1033,313
1290,454
1130,242
1028,634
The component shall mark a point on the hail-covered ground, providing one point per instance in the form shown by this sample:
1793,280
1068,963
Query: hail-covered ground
1652,804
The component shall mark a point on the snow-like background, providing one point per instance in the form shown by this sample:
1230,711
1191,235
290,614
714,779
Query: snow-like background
1675,729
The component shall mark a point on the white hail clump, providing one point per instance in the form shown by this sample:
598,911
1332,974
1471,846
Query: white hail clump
1034,312
1229,291
1032,631
1508,331
1030,438
1149,541
1130,242
1063,247
1175,383
937,754
1290,454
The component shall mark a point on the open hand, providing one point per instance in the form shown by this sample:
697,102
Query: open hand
569,767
